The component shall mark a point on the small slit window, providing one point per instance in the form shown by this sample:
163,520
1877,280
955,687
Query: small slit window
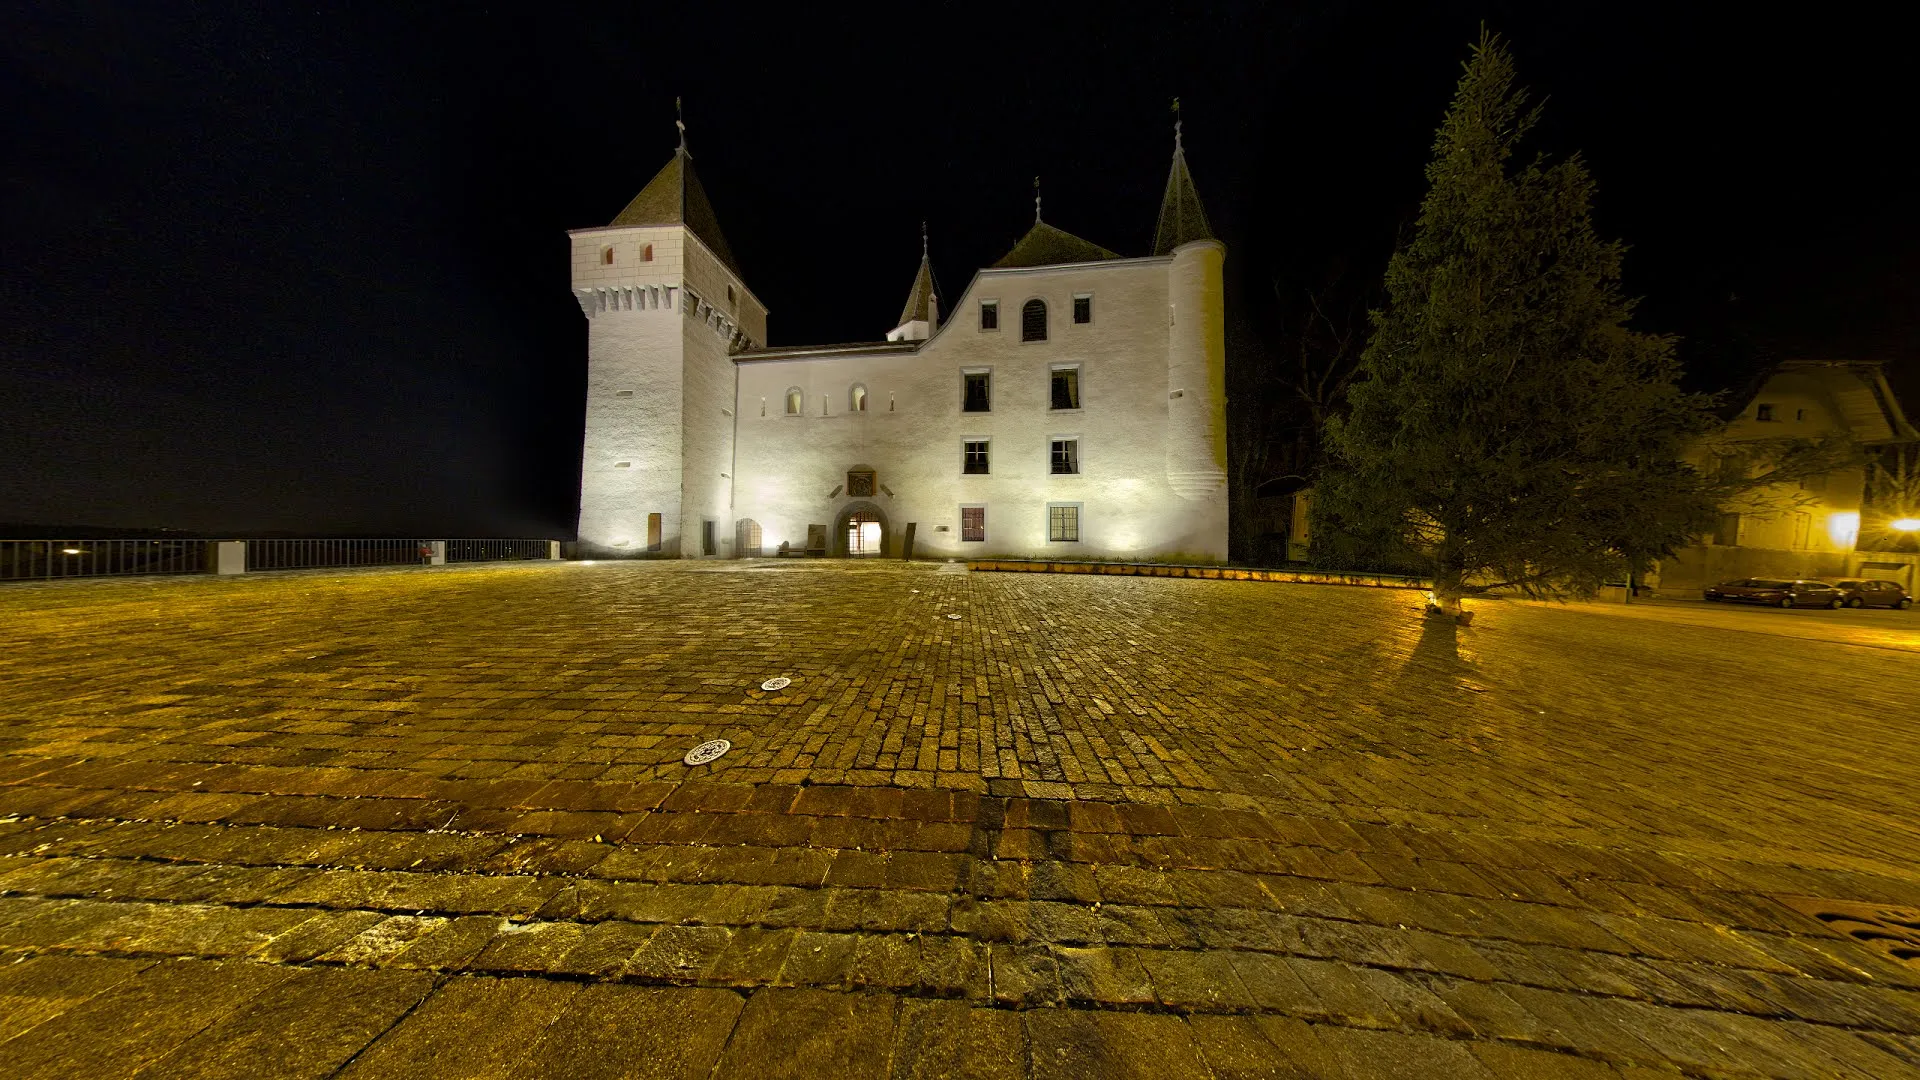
1033,321
989,315
606,256
730,296
795,401
857,399
623,393
646,253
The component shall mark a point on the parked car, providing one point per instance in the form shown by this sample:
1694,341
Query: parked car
1865,592
1778,593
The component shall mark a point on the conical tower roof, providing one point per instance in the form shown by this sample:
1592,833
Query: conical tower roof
921,297
1182,218
675,197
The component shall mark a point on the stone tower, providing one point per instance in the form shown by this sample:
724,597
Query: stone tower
666,307
1196,338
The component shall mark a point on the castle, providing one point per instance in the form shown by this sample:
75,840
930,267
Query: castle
1072,406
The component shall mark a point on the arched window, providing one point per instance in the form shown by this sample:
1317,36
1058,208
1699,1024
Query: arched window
606,256
794,401
857,398
646,253
1033,321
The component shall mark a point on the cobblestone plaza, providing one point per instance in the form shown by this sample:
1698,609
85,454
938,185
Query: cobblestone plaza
436,823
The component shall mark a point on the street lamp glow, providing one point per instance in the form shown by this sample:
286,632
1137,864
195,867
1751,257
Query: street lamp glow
1906,524
69,551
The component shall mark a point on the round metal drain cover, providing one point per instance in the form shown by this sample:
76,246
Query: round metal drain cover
955,617
778,683
707,751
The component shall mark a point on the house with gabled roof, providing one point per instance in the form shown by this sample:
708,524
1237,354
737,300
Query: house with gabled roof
1069,403
1803,528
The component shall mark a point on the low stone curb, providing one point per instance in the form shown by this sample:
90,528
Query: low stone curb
1222,573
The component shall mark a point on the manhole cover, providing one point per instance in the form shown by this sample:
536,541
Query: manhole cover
778,683
1892,931
707,751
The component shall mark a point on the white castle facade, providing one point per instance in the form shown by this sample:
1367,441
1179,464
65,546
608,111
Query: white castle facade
1071,404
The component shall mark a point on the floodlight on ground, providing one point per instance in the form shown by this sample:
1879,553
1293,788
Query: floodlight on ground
780,682
1906,524
707,751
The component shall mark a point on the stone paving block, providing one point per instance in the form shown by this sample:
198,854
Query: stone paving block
306,1026
1024,975
1234,1048
127,1028
635,1032
469,1027
1077,1044
799,1034
935,1040
39,988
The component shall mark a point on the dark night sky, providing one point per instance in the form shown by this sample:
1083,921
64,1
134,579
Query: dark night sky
307,271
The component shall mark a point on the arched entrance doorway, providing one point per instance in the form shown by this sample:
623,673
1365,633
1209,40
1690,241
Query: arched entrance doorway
860,529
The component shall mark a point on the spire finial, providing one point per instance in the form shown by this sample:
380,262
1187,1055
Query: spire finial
1036,200
680,122
1176,124
923,241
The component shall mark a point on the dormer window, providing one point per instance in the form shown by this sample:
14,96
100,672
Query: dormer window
795,402
606,256
646,253
1033,321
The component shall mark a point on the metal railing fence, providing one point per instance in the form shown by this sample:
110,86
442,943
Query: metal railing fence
495,550
40,560
320,554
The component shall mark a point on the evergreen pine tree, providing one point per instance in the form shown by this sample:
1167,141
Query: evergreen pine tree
1509,430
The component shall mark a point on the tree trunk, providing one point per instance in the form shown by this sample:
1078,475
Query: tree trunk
1447,591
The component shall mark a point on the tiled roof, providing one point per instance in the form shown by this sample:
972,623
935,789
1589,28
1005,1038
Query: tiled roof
917,300
1182,218
1045,245
675,197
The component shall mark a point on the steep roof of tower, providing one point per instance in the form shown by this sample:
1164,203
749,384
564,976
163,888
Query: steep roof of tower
1045,245
1182,218
921,295
675,196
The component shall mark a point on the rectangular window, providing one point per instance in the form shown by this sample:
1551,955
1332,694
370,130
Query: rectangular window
1063,523
1763,412
977,397
653,532
1066,456
1066,388
1727,533
973,523
976,457
1083,309
989,315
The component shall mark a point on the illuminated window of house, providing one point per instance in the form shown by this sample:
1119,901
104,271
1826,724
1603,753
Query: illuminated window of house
1063,522
857,399
1066,388
1763,412
989,315
646,253
1066,456
1033,321
975,394
973,523
975,457
606,256
1083,308
794,401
